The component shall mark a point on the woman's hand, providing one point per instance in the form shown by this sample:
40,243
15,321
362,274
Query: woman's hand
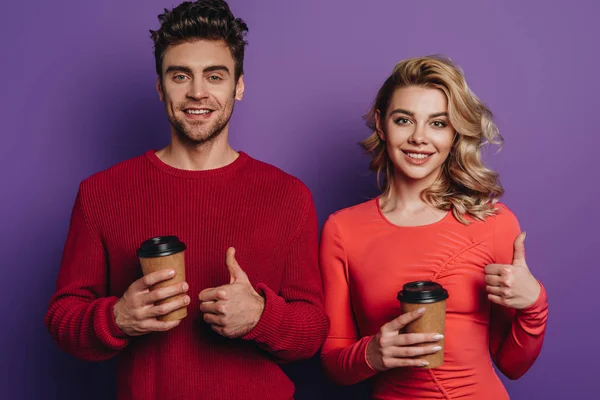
512,285
391,349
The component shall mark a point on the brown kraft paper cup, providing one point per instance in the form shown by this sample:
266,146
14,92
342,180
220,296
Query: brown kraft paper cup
165,252
431,296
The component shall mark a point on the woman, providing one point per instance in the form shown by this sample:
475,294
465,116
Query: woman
438,218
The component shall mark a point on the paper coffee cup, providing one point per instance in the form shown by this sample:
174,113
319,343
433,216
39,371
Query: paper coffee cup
165,252
431,296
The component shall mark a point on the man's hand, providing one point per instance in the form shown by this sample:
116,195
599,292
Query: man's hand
233,310
135,312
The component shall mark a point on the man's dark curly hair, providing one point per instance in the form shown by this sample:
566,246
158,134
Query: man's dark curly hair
203,19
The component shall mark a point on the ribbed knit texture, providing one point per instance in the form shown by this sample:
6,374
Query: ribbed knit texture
365,261
267,215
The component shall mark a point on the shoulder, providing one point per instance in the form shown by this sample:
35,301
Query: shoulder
505,218
355,211
353,216
272,178
110,177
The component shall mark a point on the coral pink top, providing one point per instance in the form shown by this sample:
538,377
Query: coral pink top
365,260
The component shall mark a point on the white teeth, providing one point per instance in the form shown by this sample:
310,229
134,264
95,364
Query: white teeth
417,155
197,112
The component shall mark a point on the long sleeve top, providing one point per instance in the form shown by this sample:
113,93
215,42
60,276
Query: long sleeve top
365,260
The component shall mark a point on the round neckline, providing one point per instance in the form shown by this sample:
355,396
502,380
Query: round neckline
193,174
388,222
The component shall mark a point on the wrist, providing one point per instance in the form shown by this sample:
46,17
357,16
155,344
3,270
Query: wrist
117,315
260,308
370,353
116,312
535,294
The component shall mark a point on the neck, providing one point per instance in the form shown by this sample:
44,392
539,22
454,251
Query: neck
405,194
212,154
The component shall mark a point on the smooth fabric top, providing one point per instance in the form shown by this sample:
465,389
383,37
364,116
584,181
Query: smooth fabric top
365,260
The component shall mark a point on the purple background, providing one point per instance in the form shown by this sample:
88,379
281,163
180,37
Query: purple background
78,96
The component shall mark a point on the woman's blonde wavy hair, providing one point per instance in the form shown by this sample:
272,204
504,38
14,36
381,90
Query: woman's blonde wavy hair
465,186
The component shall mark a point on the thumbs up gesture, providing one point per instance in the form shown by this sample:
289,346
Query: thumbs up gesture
234,309
512,285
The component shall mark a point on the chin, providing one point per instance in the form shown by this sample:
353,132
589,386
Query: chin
417,177
415,174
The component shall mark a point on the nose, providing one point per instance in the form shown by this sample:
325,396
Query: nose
197,90
419,135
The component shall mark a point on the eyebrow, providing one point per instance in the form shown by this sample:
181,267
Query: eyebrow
179,68
214,68
412,114
188,70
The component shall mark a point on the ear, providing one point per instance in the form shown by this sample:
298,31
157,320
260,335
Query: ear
378,126
159,89
239,88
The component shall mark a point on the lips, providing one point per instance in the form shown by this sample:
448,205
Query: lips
417,154
198,113
417,157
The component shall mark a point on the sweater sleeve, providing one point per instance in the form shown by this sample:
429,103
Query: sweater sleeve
344,354
293,325
516,336
80,316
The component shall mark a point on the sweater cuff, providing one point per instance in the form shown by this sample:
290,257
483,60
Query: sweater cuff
267,329
106,327
368,370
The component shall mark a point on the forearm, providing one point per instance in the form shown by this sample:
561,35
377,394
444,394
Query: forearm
523,343
346,365
290,330
80,316
84,327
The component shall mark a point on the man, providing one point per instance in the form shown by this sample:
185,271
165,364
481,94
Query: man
253,288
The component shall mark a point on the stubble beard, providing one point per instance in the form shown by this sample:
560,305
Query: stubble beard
203,134
185,132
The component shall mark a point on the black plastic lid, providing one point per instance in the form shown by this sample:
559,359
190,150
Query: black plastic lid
160,246
421,292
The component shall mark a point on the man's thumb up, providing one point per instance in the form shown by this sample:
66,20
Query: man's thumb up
236,272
